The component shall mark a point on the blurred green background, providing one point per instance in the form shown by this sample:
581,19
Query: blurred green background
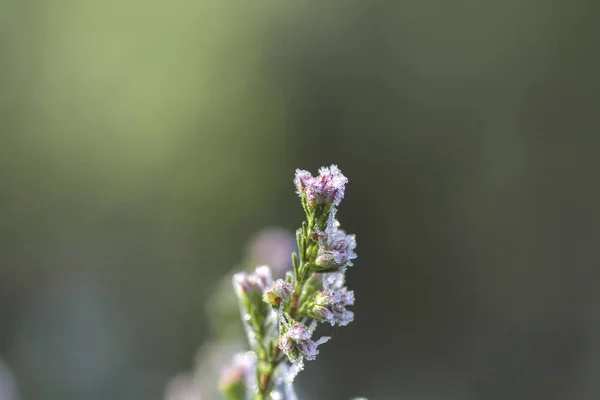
142,143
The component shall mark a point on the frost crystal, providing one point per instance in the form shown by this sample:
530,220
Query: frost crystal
334,280
302,180
327,188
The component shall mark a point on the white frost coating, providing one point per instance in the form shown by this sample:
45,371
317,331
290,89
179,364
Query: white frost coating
312,327
290,393
327,188
323,339
284,389
295,369
275,395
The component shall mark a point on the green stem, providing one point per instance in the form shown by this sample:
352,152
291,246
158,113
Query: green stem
268,364
265,377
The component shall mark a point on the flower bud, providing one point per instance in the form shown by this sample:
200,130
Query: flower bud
262,276
326,189
330,304
308,349
327,298
321,313
247,285
342,316
302,180
288,347
278,292
336,249
296,343
241,284
299,332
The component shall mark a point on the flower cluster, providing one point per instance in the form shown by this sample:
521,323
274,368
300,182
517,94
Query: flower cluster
280,316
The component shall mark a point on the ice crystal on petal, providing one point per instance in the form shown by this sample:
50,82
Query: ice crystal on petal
286,344
302,181
299,332
345,296
309,349
342,316
327,188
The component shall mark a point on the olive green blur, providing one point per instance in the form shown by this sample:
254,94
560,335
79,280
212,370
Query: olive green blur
142,143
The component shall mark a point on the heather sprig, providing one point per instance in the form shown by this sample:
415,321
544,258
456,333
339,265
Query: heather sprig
280,316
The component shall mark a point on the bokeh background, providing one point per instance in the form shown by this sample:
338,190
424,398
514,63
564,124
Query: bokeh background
142,143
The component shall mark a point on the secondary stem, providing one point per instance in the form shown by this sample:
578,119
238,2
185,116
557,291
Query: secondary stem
268,367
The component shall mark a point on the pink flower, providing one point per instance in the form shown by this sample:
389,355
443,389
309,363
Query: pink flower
246,284
328,188
297,344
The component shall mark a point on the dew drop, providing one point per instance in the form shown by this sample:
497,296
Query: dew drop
276,395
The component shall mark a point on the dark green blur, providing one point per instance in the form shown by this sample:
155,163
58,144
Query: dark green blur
143,143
